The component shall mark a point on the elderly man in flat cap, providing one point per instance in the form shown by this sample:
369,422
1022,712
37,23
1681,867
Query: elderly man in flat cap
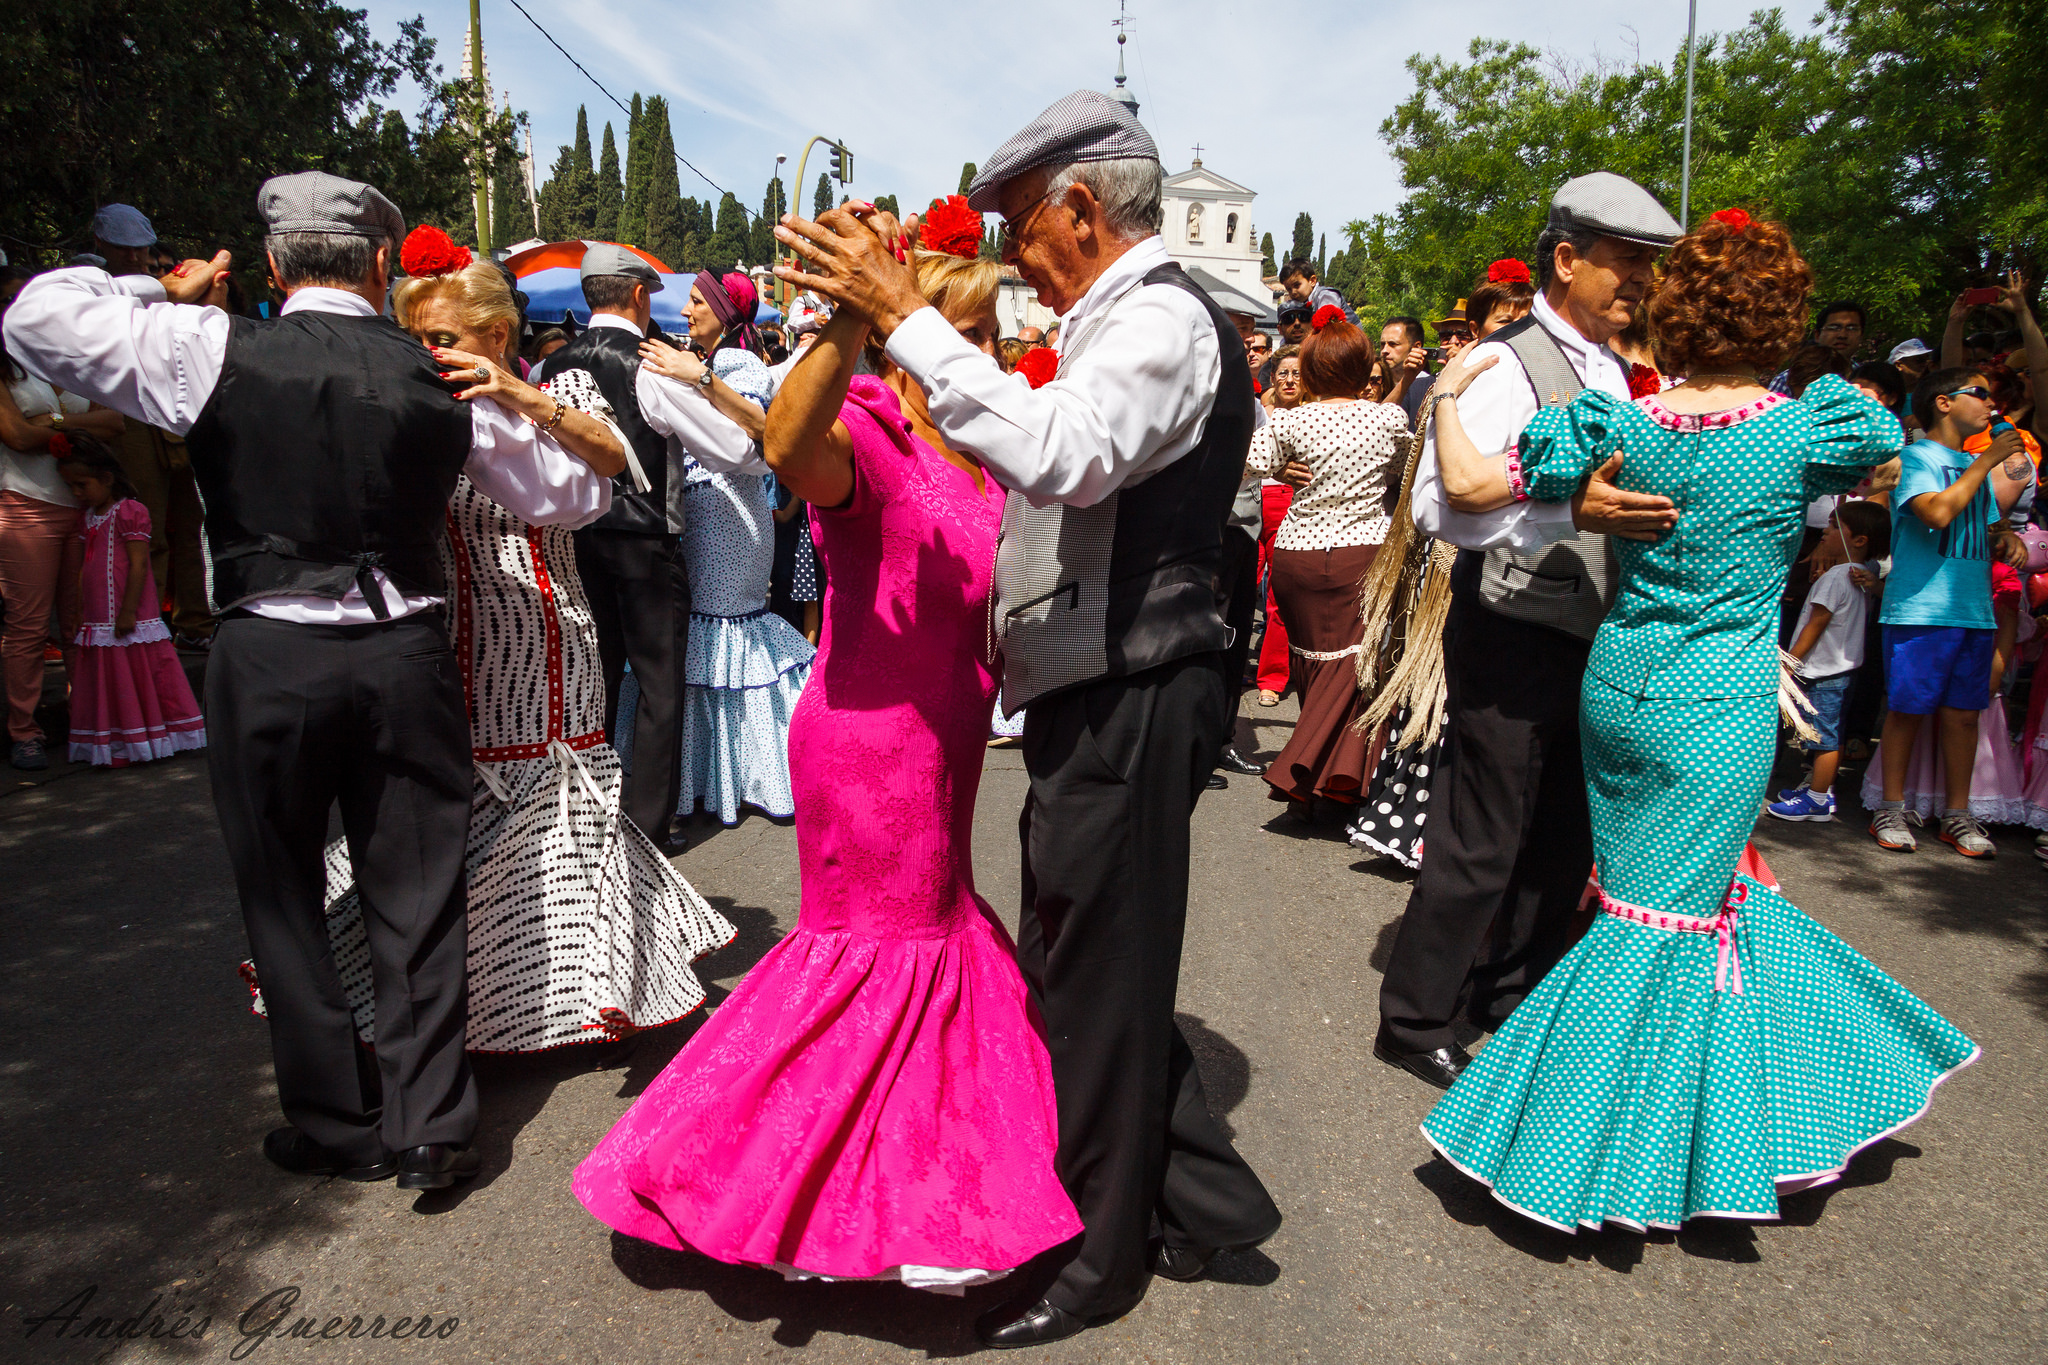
1510,839
326,444
1122,471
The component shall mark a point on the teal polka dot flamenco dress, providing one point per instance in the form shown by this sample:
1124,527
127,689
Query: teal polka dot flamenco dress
1706,1047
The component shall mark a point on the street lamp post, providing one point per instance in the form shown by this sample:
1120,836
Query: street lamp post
1692,14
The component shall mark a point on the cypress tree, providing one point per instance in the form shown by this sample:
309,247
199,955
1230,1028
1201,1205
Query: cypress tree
664,196
774,204
632,226
554,217
822,200
728,242
1322,253
967,176
1304,238
511,205
1268,266
580,206
887,203
605,224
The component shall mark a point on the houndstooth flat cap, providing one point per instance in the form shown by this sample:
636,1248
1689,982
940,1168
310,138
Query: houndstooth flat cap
314,201
1085,126
1613,206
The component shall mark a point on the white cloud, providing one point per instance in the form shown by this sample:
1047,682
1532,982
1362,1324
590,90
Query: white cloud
1287,100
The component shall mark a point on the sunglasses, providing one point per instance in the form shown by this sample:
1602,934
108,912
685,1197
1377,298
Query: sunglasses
1976,391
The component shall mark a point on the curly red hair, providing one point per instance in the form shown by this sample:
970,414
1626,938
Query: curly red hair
1730,296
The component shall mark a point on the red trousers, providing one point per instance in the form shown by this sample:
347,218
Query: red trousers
1273,656
33,538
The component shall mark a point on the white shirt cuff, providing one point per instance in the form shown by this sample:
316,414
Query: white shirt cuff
145,287
923,340
1552,520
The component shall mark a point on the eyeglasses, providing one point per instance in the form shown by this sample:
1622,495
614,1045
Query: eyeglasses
1976,391
1007,232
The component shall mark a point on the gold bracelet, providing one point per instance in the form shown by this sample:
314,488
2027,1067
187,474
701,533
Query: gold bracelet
555,419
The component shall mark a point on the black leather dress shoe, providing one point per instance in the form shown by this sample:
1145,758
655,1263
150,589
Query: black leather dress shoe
1439,1066
1181,1263
1006,1328
1238,763
299,1154
675,844
1217,782
437,1166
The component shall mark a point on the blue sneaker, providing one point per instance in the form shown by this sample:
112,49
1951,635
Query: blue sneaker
1804,804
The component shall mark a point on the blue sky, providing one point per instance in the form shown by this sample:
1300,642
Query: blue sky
1285,99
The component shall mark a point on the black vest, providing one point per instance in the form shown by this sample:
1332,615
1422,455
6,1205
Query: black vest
612,355
329,448
1068,612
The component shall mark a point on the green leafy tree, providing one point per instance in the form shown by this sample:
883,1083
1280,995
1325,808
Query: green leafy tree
887,203
1304,238
511,205
665,228
182,109
639,167
729,236
822,200
774,203
967,173
609,191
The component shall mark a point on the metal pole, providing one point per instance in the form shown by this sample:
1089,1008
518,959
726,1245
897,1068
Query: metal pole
481,177
1692,14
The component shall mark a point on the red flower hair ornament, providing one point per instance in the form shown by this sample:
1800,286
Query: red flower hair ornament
430,251
950,226
1325,315
1039,366
60,445
1736,219
1508,270
1644,382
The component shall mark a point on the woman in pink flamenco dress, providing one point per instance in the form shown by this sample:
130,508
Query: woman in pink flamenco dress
874,1099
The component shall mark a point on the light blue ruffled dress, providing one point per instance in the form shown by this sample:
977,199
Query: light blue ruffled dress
745,666
1706,1047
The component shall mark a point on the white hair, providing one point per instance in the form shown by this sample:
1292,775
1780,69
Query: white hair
1128,189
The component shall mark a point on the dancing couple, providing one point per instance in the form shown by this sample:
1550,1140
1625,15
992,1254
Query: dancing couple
896,1091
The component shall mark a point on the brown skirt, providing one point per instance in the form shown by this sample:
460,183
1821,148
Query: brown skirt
1326,756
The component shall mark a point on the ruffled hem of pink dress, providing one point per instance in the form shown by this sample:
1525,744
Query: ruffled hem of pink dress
857,1105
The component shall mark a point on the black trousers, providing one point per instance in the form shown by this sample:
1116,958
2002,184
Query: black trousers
1115,769
1237,588
299,718
1510,842
640,603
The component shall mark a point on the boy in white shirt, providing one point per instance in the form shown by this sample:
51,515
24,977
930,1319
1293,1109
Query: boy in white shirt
1828,642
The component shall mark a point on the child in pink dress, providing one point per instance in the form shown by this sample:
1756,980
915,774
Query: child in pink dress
130,702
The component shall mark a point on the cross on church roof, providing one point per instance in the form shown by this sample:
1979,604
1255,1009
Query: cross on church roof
1198,153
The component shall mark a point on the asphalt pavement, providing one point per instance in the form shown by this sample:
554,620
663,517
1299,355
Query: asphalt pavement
135,1087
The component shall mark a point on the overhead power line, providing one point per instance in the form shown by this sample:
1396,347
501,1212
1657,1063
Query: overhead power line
623,109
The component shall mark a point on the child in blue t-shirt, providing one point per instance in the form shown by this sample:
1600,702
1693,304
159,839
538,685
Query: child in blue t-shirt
1938,628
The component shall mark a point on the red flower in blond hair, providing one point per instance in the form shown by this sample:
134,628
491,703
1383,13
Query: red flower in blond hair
430,251
1039,366
1507,270
950,226
1736,219
1325,315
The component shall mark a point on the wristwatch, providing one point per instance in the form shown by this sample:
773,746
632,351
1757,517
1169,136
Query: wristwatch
704,380
57,419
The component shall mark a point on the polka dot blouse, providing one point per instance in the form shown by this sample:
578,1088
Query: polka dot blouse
1355,449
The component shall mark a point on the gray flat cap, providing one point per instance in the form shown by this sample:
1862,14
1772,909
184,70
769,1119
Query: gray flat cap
1613,206
314,201
123,225
1085,126
609,258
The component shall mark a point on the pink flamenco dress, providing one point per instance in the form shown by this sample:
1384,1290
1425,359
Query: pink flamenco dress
130,701
874,1100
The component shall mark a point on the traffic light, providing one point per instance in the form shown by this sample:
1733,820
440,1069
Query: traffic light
842,164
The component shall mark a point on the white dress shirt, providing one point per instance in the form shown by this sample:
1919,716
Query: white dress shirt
1137,399
685,416
119,343
1493,411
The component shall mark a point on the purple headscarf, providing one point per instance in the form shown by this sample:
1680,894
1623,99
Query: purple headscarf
733,300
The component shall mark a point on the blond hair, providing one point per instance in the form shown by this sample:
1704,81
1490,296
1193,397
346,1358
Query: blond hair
955,285
481,296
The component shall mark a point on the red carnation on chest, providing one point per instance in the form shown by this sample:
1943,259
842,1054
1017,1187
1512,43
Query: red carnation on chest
950,226
430,251
1039,366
